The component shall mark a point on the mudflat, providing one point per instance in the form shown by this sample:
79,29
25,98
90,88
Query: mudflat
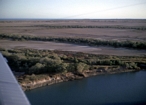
40,45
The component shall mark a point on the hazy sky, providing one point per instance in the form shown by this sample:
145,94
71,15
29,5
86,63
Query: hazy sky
73,9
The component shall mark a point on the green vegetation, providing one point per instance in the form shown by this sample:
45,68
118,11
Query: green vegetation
33,61
88,26
83,41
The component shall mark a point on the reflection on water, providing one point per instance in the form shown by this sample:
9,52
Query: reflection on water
125,88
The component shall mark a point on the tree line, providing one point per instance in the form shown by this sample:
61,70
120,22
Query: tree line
33,61
89,26
83,41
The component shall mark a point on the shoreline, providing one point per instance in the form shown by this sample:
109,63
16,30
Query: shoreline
64,77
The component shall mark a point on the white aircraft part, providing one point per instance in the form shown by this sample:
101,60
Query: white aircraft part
10,91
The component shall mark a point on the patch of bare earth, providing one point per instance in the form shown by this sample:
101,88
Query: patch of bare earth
70,47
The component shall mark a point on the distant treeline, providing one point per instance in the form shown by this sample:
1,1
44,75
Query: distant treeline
83,26
83,41
78,26
33,61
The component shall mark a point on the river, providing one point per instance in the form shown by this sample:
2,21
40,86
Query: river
118,89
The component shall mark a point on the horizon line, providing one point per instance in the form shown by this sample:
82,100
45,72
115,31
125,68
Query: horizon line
72,18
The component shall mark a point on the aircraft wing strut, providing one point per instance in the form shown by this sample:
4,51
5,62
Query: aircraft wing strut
10,91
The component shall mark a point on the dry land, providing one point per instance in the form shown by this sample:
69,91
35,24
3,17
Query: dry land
41,45
106,29
112,30
25,44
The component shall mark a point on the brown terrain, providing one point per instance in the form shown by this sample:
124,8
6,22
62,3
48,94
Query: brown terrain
41,28
119,30
71,47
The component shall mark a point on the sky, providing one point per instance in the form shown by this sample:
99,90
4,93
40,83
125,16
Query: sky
73,9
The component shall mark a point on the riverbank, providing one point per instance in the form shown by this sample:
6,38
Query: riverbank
39,68
63,77
115,89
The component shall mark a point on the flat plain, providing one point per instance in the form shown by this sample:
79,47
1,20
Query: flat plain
102,29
